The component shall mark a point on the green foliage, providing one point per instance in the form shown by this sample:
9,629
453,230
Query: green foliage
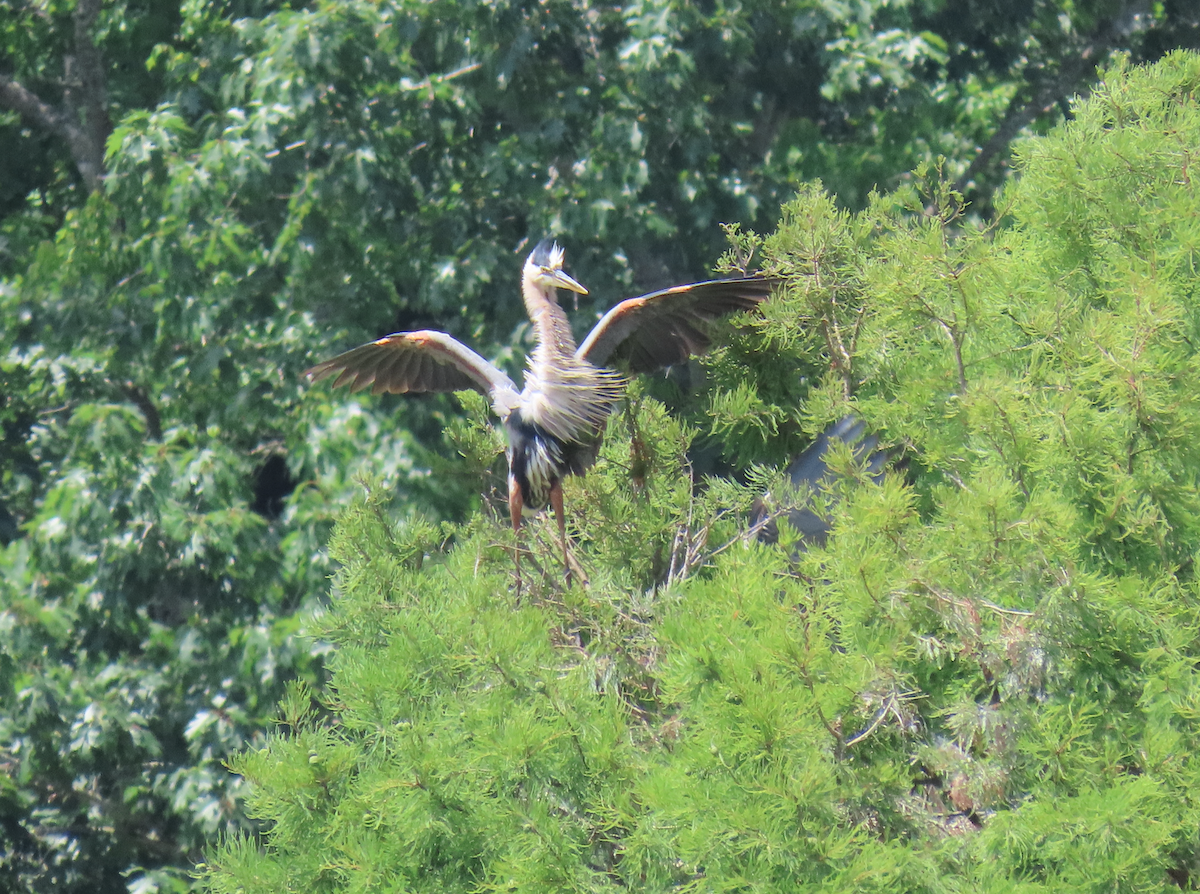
984,681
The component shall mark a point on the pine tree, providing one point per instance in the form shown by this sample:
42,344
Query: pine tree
985,680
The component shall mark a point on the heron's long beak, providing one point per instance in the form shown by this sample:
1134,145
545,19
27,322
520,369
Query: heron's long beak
562,281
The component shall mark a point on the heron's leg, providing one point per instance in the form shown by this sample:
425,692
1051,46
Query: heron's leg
515,504
556,503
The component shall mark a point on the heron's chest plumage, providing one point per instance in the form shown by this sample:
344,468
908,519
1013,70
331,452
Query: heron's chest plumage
569,398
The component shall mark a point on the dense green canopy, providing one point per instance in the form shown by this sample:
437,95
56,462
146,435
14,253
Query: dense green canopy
986,679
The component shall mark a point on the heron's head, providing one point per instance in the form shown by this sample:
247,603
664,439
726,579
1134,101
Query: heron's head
543,270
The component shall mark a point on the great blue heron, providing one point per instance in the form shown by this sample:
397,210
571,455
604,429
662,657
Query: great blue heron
555,422
810,470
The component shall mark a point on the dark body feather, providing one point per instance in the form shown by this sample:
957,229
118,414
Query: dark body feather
537,459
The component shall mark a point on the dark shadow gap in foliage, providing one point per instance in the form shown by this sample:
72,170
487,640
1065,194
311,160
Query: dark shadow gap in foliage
273,484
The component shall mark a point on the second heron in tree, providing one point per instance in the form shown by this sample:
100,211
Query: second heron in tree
555,422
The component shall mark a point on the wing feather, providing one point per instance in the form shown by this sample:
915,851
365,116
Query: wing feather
391,367
346,376
415,362
668,326
433,373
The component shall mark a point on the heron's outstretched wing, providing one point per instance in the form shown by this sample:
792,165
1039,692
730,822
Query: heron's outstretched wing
419,361
667,327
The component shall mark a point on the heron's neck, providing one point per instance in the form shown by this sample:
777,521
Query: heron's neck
550,326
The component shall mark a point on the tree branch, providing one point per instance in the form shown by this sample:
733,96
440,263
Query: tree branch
16,97
87,93
1021,112
83,121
